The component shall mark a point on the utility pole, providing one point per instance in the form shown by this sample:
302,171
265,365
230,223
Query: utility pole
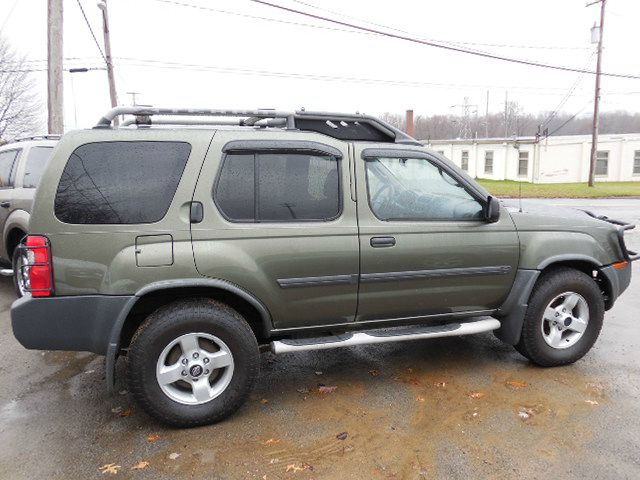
133,97
486,118
596,103
55,105
506,114
107,53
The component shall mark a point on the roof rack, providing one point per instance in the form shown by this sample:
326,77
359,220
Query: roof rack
342,126
37,137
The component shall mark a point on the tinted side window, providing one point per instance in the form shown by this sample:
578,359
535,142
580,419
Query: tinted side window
120,182
7,161
235,192
36,163
279,187
416,189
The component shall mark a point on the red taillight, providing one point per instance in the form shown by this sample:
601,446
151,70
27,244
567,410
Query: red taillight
36,267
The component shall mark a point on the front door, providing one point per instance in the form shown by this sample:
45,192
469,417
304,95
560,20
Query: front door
425,246
279,221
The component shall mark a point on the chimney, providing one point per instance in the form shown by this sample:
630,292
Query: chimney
409,123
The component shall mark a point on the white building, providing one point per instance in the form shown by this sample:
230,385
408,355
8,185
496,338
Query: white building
563,159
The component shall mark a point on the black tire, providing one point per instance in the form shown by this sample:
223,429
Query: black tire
167,324
15,264
551,284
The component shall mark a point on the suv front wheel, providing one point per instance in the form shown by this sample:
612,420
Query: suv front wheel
192,362
563,319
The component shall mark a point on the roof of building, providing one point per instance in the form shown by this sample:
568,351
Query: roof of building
559,139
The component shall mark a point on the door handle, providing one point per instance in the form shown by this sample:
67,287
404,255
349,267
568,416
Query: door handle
378,242
5,204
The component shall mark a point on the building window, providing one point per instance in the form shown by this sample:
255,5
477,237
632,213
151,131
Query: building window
464,161
602,163
523,164
636,162
488,162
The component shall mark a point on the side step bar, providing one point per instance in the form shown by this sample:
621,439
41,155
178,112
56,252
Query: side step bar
384,335
6,272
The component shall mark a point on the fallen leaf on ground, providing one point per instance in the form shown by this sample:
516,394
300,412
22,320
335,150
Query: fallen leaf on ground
116,410
111,468
325,389
440,384
420,399
374,373
122,392
592,402
264,401
153,438
173,456
342,436
126,413
302,390
318,373
141,465
476,395
272,441
516,384
409,370
292,467
525,413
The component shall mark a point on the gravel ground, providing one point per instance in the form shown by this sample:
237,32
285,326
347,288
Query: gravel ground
466,407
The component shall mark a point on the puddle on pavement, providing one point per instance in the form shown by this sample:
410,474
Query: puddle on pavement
411,419
70,364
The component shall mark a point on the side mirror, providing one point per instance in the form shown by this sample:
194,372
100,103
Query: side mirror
492,210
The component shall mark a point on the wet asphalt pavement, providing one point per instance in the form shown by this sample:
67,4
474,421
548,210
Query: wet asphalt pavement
467,407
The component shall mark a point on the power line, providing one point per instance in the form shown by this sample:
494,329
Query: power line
91,30
358,32
132,61
455,42
568,95
569,119
444,47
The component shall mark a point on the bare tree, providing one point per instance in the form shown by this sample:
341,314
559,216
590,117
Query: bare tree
19,106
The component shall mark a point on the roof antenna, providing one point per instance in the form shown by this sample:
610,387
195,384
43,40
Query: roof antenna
520,195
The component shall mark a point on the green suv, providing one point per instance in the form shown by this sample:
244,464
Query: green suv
187,241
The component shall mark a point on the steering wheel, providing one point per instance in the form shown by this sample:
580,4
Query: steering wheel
378,199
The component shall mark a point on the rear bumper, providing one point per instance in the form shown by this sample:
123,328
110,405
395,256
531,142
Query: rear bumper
82,323
618,281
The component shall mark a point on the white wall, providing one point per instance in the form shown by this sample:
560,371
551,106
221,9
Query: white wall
560,159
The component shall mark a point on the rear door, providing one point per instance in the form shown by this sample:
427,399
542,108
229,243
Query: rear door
280,223
425,247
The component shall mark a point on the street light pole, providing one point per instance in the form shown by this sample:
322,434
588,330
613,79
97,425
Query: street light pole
596,102
107,53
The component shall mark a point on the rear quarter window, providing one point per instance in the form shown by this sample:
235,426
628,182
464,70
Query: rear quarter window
37,160
7,170
120,182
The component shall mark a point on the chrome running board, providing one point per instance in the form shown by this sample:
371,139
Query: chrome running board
6,272
384,335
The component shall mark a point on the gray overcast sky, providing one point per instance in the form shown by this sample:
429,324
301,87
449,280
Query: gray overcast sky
226,51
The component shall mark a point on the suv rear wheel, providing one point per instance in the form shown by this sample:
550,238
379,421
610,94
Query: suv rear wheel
563,319
17,260
192,362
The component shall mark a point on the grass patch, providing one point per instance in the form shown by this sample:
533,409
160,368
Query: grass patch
510,189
